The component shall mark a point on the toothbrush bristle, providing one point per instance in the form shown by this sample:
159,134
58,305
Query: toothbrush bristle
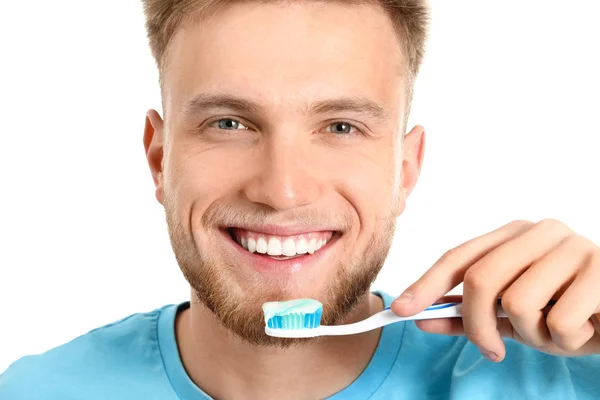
293,314
296,321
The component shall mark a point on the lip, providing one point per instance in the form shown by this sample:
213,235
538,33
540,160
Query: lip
270,266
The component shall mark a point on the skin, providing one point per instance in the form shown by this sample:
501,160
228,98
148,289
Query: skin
289,167
527,264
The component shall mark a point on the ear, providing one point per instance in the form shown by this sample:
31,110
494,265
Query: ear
153,145
413,148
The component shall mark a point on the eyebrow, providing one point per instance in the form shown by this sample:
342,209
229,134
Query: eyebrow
205,101
358,105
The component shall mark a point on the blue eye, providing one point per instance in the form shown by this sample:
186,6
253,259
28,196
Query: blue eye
342,128
229,124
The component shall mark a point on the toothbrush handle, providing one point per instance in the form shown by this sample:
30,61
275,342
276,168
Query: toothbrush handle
387,316
383,318
450,310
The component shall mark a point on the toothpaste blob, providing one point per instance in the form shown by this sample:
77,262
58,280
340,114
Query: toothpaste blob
293,314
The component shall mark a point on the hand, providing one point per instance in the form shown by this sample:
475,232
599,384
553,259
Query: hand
527,265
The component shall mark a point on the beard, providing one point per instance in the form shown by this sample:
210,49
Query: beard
239,310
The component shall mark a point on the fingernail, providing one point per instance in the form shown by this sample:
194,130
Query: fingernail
405,298
490,355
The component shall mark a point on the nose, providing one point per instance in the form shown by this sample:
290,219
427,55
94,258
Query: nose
283,178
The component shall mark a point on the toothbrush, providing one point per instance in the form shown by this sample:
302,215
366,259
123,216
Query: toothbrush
302,318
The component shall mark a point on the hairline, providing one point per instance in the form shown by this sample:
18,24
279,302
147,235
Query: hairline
200,13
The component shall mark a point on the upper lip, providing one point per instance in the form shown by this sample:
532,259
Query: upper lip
282,229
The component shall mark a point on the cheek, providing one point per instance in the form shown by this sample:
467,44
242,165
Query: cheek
195,178
202,173
371,175
368,182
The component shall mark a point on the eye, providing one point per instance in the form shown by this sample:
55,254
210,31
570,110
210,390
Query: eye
228,124
342,128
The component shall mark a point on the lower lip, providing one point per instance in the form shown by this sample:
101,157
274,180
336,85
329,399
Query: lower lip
268,265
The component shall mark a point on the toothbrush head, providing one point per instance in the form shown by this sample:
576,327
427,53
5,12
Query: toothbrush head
289,315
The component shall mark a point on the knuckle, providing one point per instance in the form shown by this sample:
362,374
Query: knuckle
570,346
575,342
578,242
577,338
475,280
558,325
553,225
521,223
513,305
453,254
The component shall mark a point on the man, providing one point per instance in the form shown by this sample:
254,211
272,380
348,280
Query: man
282,163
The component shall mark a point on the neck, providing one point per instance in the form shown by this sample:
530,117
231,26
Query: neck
225,366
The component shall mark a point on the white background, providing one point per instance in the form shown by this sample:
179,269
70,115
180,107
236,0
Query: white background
509,95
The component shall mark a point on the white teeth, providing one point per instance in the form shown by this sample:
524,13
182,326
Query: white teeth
289,248
251,245
302,246
278,246
312,246
274,247
261,245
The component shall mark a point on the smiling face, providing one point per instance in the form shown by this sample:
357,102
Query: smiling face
280,162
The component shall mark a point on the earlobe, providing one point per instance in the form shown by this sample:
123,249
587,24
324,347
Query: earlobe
412,162
153,145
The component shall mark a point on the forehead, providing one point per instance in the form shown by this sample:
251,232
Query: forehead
288,54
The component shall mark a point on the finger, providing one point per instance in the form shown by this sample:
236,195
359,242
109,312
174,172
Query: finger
454,327
525,300
442,326
449,270
495,272
569,321
451,298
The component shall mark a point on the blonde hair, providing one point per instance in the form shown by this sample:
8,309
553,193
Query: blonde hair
409,17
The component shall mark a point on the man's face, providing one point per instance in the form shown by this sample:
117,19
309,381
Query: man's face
283,135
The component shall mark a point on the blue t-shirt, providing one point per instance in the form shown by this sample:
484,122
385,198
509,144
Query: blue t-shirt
137,358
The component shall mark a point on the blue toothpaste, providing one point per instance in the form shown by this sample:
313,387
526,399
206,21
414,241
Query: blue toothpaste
293,314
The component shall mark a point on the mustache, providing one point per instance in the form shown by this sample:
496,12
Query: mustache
229,215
